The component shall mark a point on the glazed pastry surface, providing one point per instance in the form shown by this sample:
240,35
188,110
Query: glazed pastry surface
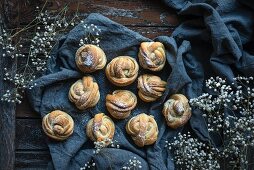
177,111
100,129
84,93
152,56
122,70
120,103
90,58
58,125
143,129
150,87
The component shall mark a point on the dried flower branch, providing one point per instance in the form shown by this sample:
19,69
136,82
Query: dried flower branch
102,144
133,164
89,165
229,113
46,29
91,36
190,153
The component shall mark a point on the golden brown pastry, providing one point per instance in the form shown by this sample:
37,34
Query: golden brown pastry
84,93
122,70
90,58
177,111
152,56
58,125
143,129
120,103
100,129
150,87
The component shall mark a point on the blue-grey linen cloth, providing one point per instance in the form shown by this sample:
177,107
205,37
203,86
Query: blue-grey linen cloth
214,39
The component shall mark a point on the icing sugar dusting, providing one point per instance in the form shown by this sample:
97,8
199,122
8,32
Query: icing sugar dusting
120,104
147,59
88,59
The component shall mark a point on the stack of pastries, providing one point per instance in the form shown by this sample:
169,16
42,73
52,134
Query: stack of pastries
121,72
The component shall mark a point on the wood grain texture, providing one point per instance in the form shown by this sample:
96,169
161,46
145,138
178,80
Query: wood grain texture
32,160
24,110
150,32
30,135
7,128
7,116
141,12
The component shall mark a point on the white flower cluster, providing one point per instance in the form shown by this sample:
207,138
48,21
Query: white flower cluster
102,144
219,89
91,36
32,54
190,153
11,97
133,164
238,139
229,112
88,165
9,50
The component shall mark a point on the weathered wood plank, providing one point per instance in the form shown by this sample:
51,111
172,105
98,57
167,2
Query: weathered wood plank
30,135
7,126
150,32
7,113
31,160
142,12
24,110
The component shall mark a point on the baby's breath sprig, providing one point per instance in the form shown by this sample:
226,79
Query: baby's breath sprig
89,165
191,153
229,112
105,143
239,139
132,164
46,28
91,36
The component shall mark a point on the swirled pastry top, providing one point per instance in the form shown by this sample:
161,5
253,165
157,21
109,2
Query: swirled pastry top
120,103
152,56
150,87
143,129
122,70
100,128
90,58
58,125
177,111
84,93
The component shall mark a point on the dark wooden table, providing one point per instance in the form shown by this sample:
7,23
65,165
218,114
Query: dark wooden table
26,149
